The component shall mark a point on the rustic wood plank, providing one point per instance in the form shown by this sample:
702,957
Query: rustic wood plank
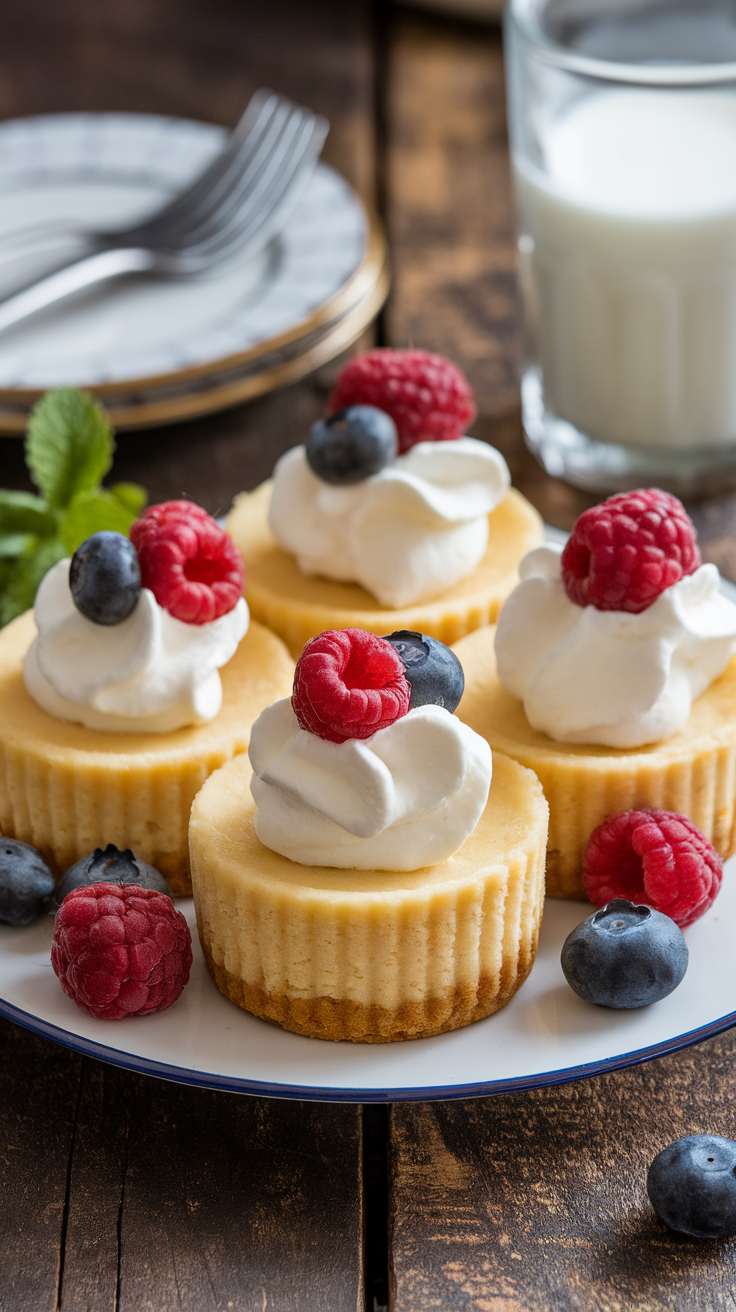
537,1202
39,1085
182,1198
448,204
89,1278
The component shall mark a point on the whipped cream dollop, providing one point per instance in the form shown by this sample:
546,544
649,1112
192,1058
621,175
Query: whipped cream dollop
152,673
405,534
405,798
611,677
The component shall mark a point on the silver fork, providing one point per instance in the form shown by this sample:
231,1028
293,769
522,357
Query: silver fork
237,205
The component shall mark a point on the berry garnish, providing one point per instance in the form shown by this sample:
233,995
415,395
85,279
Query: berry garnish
110,866
656,857
624,956
105,578
349,684
121,950
426,395
692,1186
434,672
624,553
192,567
352,445
25,882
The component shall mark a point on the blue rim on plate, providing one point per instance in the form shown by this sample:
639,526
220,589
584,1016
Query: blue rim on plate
544,1036
313,1093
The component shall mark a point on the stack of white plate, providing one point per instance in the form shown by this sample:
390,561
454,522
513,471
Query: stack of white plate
157,351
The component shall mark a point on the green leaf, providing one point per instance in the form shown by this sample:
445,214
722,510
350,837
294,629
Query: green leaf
16,544
20,592
90,512
132,495
69,445
6,573
22,512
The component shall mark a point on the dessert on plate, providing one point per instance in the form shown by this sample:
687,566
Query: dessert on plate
362,876
611,675
137,674
388,518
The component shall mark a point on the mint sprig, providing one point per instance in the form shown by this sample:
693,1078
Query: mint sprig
69,449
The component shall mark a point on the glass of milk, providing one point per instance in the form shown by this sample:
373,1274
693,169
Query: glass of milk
623,132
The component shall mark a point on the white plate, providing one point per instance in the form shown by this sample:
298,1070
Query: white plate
546,1035
110,169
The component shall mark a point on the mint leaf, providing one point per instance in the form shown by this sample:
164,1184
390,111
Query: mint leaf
69,445
20,593
132,495
16,544
21,512
90,512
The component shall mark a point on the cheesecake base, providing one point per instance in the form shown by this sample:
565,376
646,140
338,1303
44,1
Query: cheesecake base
369,956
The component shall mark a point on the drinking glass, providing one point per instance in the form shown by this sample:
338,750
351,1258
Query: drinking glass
622,119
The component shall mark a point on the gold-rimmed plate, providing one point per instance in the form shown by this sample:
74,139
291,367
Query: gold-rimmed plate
160,351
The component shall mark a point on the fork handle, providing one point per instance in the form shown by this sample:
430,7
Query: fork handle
74,278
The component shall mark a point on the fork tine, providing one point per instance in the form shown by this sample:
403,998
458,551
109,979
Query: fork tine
240,174
243,140
245,217
250,228
244,180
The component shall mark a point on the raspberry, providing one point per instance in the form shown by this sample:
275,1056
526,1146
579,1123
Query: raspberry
622,554
349,684
427,396
192,567
121,950
657,858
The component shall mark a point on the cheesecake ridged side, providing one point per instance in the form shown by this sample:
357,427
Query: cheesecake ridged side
67,789
692,773
369,956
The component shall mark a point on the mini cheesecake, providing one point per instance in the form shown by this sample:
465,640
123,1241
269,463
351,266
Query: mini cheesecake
693,772
67,789
371,956
297,607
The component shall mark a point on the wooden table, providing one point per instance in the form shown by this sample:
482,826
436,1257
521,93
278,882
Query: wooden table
126,1193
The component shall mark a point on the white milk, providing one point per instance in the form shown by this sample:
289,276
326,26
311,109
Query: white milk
632,284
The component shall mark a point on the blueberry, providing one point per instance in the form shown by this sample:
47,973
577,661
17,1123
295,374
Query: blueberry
25,882
352,444
105,578
434,672
111,866
624,956
692,1186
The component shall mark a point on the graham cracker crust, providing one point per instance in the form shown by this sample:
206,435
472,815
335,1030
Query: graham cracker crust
341,1019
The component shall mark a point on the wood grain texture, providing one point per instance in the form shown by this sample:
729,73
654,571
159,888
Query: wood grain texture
448,203
185,1198
537,1202
39,1086
120,1193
